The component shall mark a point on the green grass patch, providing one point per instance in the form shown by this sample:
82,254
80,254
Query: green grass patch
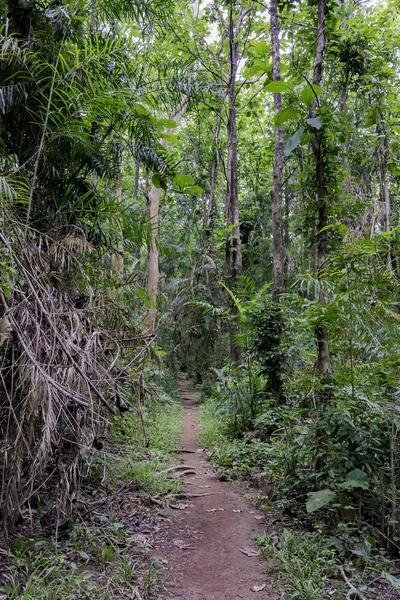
150,444
305,563
245,457
213,424
91,565
158,431
150,475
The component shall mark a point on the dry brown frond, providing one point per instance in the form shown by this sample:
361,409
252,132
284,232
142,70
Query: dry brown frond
64,372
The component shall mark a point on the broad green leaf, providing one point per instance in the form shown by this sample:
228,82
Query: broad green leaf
293,141
195,190
170,137
277,87
355,479
167,123
307,137
183,181
285,115
310,92
257,68
315,122
261,48
319,499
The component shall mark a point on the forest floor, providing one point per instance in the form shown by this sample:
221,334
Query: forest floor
210,549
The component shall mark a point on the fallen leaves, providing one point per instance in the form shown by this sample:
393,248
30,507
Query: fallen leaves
181,544
180,506
258,588
237,510
213,510
249,552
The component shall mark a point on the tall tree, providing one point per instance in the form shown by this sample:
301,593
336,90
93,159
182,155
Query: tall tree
234,246
153,254
323,356
278,158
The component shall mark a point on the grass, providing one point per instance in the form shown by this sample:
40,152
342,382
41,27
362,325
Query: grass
97,562
304,562
97,558
212,424
158,433
150,476
151,444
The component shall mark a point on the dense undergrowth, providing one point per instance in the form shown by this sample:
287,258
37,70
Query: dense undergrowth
100,552
316,465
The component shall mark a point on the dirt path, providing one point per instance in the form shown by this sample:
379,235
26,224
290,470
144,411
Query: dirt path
203,545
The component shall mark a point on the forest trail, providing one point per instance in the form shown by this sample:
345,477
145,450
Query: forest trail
203,548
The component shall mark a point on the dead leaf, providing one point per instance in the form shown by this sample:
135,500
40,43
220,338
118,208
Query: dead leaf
249,552
181,545
237,510
213,510
258,588
180,506
258,517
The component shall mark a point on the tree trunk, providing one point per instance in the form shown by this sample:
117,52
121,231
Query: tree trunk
117,258
134,199
323,355
209,209
384,150
233,248
210,199
233,244
275,377
277,237
152,270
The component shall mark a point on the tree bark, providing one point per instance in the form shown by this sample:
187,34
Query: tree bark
138,249
276,198
384,150
233,247
117,258
209,204
277,237
323,354
153,203
233,243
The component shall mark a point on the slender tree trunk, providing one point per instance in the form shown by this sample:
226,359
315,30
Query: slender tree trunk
384,150
209,204
233,244
153,202
137,250
209,209
277,237
234,248
275,376
288,198
117,258
323,355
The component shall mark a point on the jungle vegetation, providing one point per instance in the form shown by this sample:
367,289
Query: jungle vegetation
210,187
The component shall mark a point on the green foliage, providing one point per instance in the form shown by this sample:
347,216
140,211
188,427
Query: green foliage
245,457
157,430
153,435
213,424
149,475
305,562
